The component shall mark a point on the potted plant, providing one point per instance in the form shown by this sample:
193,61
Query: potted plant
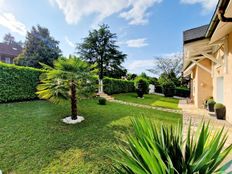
220,111
211,104
205,102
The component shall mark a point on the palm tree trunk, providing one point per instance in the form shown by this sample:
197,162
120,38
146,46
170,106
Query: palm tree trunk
73,101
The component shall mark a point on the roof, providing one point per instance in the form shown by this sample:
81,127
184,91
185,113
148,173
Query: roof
195,34
8,49
222,4
205,31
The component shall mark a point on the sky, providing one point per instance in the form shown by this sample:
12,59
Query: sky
145,28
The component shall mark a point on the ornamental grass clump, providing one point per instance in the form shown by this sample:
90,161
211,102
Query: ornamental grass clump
160,150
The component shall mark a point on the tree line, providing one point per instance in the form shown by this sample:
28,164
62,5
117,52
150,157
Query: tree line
98,47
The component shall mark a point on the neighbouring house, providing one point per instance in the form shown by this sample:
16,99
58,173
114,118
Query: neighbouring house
9,51
208,59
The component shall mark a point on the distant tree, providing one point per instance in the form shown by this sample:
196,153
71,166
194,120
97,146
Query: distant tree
100,47
39,46
168,65
10,39
115,72
131,76
171,76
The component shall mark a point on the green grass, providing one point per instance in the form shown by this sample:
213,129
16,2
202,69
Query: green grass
34,140
149,99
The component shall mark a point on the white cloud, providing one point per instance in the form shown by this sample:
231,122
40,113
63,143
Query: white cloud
69,42
136,43
9,21
138,13
207,5
141,65
135,10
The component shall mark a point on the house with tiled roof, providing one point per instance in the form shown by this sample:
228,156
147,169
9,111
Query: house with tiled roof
9,51
208,59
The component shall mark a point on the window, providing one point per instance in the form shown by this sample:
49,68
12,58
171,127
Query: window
7,60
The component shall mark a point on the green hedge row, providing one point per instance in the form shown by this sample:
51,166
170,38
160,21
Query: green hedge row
182,92
17,83
115,86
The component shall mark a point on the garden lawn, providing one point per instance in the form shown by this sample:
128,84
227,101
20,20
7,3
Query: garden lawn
34,140
149,99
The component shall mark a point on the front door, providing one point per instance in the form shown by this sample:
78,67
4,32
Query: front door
220,90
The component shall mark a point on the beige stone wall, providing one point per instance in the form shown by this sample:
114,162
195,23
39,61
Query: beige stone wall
220,71
228,82
193,85
204,84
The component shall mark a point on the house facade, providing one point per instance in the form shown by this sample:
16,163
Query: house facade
8,52
208,59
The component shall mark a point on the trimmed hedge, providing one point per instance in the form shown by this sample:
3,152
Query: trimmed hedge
158,89
18,83
182,92
115,86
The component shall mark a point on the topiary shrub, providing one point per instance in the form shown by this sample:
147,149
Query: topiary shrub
101,101
220,111
168,88
211,104
142,86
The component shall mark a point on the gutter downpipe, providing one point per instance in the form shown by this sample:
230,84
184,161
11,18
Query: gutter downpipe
222,4
221,15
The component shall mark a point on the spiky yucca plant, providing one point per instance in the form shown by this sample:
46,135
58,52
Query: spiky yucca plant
69,79
151,150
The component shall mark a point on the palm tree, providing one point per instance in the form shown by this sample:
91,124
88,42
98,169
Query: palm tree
70,78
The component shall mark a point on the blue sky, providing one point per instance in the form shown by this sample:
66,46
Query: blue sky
145,28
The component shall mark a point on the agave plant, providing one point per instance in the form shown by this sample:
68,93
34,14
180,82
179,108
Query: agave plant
153,150
69,79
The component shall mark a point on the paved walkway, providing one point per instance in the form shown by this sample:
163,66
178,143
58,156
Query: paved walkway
147,106
197,116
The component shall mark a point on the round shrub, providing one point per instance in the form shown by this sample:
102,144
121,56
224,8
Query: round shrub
219,106
142,84
168,88
102,101
211,101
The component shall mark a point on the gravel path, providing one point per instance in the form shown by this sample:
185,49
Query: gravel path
147,106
